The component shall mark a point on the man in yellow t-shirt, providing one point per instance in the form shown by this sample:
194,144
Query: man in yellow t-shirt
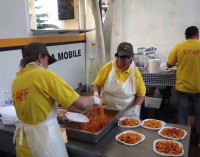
187,56
35,91
120,82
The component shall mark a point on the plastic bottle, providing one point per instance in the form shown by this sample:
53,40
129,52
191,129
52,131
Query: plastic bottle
8,98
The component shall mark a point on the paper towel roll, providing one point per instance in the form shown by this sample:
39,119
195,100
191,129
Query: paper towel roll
154,65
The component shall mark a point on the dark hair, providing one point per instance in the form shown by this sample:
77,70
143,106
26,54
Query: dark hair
27,60
191,31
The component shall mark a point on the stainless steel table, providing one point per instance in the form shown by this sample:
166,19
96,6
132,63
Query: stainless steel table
107,147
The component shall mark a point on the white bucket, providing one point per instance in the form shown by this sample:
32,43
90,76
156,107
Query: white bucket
154,65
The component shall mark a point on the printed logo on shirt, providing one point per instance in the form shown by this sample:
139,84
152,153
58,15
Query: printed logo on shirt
20,95
191,52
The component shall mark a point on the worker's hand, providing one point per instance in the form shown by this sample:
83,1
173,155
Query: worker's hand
97,100
61,113
96,94
136,111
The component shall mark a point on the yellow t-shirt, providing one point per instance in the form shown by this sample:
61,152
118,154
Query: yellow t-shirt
187,55
121,77
34,92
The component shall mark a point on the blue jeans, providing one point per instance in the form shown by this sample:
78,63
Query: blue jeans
186,103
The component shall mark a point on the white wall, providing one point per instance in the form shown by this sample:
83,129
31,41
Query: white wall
9,65
13,19
162,23
146,23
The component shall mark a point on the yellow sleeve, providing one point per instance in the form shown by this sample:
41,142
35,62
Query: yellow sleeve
103,75
140,85
172,59
61,92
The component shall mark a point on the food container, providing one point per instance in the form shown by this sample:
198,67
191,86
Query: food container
172,133
131,122
92,137
153,122
127,137
167,149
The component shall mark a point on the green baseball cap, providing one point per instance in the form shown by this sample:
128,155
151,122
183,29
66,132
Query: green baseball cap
36,48
125,49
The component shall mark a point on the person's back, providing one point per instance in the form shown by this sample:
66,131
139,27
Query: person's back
33,92
187,56
36,92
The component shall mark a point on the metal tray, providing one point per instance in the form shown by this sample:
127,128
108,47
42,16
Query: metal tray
74,133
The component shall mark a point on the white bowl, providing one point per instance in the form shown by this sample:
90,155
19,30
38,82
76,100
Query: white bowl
130,131
162,124
122,118
164,154
159,132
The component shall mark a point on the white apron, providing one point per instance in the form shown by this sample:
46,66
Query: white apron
44,139
119,95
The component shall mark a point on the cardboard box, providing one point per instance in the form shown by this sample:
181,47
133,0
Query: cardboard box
152,102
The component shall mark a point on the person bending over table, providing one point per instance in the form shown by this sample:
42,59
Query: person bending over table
35,91
120,83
